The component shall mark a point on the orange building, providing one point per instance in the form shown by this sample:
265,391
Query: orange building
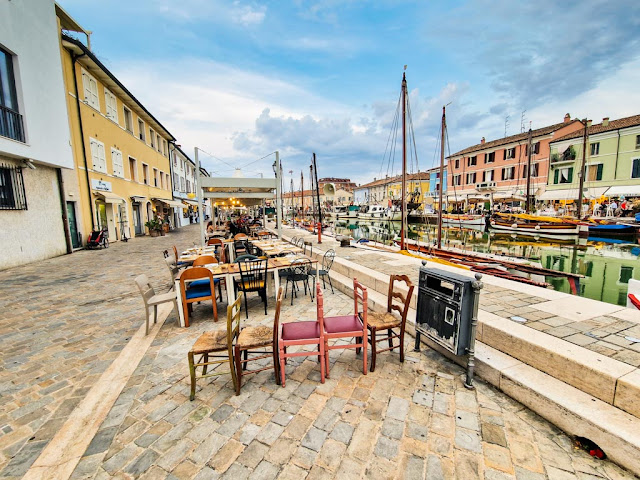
497,170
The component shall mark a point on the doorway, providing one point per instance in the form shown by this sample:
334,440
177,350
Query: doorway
137,220
73,224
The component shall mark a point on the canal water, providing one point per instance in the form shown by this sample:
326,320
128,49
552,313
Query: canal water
606,263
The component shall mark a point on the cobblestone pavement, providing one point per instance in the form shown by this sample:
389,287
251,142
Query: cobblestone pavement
604,334
413,420
62,322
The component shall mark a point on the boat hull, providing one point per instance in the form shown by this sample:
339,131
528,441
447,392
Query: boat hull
616,229
537,229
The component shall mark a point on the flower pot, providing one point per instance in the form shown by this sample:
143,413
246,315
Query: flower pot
162,232
153,233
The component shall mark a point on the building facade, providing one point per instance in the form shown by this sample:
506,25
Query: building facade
184,187
34,136
612,162
432,196
121,150
385,190
497,170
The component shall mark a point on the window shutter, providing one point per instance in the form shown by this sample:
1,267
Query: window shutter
599,172
502,174
635,173
570,175
556,176
504,155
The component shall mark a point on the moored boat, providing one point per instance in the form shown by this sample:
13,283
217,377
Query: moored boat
523,224
372,212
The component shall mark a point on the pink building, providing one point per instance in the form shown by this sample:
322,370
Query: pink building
497,170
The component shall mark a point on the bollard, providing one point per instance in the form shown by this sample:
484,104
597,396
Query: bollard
319,232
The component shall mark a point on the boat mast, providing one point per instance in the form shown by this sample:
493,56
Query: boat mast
404,161
584,161
302,195
528,204
443,129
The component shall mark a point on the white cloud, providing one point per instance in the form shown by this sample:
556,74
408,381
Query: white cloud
248,15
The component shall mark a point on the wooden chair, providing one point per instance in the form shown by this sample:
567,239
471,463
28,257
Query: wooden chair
151,299
349,326
214,241
381,324
259,337
302,333
178,263
253,278
327,263
216,341
203,291
203,260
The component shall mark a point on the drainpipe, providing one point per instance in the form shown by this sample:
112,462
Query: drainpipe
74,59
615,169
63,206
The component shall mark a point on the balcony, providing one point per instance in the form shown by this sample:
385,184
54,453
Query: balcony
11,124
569,155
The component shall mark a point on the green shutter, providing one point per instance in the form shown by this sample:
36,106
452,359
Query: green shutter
556,176
570,176
599,172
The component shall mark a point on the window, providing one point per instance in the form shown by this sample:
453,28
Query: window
145,174
152,138
595,148
11,121
155,177
141,134
487,176
637,141
635,169
626,273
490,157
594,172
90,90
168,177
12,196
133,169
457,180
535,148
112,106
509,153
164,147
471,178
128,120
97,156
508,173
116,160
457,163
471,161
176,179
563,175
534,170
158,143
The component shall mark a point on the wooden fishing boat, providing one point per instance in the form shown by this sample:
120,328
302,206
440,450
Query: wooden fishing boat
611,228
523,224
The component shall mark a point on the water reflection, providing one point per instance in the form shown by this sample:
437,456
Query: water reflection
606,263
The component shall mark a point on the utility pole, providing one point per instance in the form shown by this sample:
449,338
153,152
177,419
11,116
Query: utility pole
278,193
584,161
302,195
199,192
528,204
442,138
315,171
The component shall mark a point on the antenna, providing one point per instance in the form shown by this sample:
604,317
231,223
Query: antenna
506,124
522,121
405,68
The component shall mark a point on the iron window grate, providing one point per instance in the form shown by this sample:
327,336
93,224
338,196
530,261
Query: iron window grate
12,195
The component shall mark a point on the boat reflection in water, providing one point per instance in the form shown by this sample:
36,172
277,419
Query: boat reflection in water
606,263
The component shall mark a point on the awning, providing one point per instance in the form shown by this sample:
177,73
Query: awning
572,193
110,197
138,198
172,203
627,191
191,202
508,196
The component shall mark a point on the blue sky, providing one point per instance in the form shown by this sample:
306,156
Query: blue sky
241,79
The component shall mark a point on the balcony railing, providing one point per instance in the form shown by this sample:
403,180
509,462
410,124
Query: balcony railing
11,124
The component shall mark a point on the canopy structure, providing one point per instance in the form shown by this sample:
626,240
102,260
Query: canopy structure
572,193
626,190
109,197
246,191
171,203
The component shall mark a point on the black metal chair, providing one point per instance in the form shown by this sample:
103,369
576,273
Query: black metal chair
298,272
253,278
327,263
294,240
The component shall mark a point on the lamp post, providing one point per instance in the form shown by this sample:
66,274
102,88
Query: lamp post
199,194
277,170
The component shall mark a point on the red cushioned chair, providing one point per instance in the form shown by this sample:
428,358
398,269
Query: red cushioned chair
349,326
302,333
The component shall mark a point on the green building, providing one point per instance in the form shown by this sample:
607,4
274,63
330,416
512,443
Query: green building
612,166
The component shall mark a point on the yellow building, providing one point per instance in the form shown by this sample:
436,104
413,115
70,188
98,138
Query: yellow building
121,151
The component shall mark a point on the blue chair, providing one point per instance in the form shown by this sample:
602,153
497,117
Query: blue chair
197,293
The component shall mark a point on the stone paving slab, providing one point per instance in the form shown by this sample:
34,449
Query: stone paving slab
411,420
62,323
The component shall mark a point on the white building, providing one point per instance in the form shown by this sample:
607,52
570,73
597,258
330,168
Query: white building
184,186
34,136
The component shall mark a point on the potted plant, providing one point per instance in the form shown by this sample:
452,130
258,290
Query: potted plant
154,227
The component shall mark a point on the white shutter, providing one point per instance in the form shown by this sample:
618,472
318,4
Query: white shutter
97,156
102,158
116,159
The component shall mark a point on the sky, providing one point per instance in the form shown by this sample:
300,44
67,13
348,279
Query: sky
240,79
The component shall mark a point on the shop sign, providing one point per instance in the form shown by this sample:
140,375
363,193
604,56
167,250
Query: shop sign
100,185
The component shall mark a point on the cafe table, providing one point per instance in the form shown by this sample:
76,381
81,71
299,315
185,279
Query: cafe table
228,271
273,248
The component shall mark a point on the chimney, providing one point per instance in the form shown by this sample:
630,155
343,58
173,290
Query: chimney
605,122
567,118
482,141
374,179
589,122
